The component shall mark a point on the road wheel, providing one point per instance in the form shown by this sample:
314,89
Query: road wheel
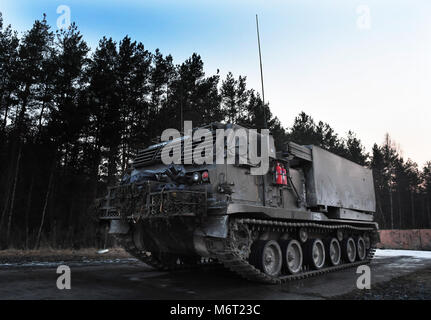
266,255
349,249
315,253
333,252
361,249
292,256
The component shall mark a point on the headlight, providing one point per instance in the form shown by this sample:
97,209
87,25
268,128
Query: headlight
196,177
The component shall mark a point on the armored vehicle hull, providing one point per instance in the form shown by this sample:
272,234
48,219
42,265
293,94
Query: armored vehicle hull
311,213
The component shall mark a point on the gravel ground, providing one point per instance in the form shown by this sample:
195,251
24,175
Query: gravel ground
414,286
398,275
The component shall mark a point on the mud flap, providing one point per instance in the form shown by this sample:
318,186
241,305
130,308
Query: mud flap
118,227
216,226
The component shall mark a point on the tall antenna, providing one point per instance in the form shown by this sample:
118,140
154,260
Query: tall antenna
263,106
261,74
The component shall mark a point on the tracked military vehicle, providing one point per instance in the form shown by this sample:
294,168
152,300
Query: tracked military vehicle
311,213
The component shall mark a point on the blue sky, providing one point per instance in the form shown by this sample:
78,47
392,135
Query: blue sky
315,56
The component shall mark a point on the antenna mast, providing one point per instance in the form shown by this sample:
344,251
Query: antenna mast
261,74
263,107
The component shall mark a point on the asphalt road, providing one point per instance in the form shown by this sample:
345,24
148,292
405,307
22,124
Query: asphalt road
130,279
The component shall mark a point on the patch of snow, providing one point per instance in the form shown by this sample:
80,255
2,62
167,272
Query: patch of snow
402,253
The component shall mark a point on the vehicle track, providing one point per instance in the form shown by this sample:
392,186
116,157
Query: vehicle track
232,260
242,267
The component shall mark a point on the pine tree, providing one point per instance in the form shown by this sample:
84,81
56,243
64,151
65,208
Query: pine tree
192,96
133,72
34,54
390,157
234,95
8,62
426,191
356,151
104,101
377,164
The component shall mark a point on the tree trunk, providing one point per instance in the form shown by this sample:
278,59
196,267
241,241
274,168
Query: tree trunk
392,209
41,112
112,165
123,158
48,191
71,223
15,182
379,206
412,201
27,212
6,205
399,210
429,214
423,215
5,118
54,235
51,211
8,192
